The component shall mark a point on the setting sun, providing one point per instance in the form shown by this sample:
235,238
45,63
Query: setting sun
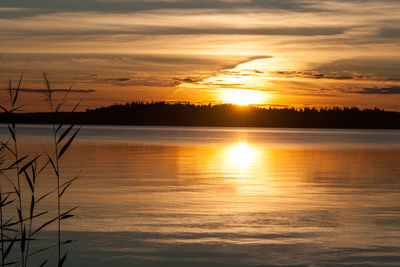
243,97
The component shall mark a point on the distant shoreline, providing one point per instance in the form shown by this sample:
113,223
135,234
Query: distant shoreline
163,114
203,126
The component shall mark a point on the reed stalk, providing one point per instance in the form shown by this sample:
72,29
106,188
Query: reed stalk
60,147
26,166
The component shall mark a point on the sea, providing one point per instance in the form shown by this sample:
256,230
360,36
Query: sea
220,196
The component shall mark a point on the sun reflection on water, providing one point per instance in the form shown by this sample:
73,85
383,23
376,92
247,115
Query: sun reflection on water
242,155
243,165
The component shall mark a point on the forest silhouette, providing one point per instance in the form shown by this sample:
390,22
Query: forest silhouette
180,114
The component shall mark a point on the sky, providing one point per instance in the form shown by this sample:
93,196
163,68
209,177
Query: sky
283,53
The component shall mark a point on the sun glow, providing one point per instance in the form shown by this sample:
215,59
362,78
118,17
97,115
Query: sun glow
242,155
243,97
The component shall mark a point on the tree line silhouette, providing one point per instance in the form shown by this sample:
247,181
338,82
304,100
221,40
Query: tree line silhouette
178,114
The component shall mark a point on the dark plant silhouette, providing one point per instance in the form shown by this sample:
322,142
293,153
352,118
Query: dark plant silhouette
20,172
60,134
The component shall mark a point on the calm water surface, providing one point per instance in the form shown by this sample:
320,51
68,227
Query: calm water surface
183,196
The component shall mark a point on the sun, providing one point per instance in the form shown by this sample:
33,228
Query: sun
243,97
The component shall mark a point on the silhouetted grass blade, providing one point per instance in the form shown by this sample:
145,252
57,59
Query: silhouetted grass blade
52,164
33,171
11,132
61,262
76,106
52,220
44,263
29,182
67,183
20,215
65,133
68,241
59,127
5,146
10,224
44,249
67,216
44,225
9,247
17,161
4,109
68,143
46,80
23,240
10,263
10,88
17,90
42,168
32,206
4,201
65,188
27,165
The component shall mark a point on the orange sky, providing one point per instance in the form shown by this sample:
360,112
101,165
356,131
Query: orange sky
290,52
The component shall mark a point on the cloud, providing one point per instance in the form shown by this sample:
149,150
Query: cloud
392,90
175,30
121,79
143,5
151,81
12,9
189,79
292,31
312,74
117,66
368,68
244,60
384,68
43,91
389,32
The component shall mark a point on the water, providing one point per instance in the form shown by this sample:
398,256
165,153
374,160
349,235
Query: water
186,196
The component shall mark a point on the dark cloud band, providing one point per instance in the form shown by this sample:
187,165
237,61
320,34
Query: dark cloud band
43,91
393,90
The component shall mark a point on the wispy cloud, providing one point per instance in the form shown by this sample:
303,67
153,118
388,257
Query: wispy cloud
43,91
139,81
344,75
393,90
146,5
168,30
